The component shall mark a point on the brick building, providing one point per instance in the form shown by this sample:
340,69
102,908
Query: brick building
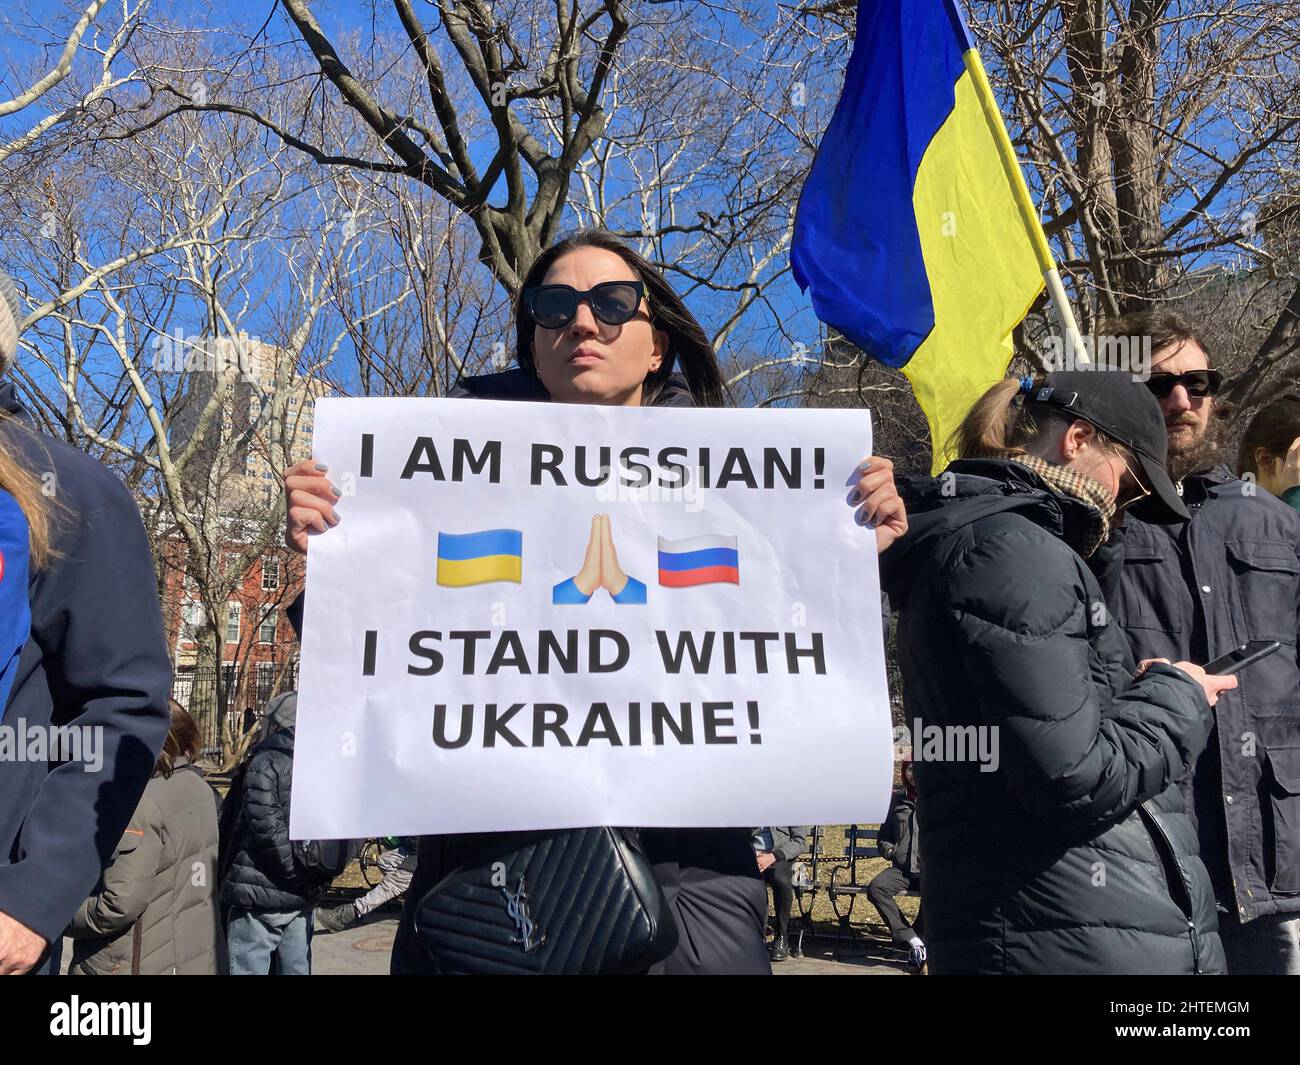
265,421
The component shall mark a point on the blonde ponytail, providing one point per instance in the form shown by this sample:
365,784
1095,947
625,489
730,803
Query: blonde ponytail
986,431
1000,426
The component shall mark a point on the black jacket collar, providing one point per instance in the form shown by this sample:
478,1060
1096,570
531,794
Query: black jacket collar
516,384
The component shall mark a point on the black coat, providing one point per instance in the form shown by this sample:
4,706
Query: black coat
709,875
899,840
266,871
1193,592
97,661
1075,855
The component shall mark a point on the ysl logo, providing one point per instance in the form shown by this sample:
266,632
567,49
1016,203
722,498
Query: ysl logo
517,908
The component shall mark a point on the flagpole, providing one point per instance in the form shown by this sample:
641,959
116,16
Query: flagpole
1025,204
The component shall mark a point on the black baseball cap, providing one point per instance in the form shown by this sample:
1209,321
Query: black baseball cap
1127,412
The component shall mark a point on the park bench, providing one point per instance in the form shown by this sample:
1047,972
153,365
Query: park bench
804,895
860,844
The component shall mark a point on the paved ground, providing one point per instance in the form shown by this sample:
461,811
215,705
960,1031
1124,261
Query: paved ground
364,950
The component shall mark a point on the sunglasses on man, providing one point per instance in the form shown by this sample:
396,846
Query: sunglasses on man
612,302
1199,383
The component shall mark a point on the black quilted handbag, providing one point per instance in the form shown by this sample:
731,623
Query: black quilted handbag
580,901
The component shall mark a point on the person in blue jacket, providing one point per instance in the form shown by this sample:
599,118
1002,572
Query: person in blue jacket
15,617
96,661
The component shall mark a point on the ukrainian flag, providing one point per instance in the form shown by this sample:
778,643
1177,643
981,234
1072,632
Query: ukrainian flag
915,231
480,557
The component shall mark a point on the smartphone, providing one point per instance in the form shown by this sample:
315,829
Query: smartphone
1245,655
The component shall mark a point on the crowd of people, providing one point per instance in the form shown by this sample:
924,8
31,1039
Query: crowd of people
1062,583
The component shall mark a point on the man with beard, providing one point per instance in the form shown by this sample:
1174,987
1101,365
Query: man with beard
1194,592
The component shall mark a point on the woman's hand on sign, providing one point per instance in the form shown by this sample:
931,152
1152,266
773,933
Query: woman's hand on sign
876,496
310,507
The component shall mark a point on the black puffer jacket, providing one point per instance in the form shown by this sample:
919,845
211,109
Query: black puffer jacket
1075,855
709,875
266,872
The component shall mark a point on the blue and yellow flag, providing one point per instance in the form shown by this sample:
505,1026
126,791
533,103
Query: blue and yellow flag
480,557
915,231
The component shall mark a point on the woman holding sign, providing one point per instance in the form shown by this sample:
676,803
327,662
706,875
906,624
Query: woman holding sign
597,323
1071,850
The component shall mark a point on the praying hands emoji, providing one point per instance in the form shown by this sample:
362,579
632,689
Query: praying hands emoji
600,569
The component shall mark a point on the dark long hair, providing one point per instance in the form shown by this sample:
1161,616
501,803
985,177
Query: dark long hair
1274,428
183,741
689,350
1164,326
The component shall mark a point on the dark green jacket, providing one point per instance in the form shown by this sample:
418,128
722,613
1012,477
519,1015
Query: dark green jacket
163,880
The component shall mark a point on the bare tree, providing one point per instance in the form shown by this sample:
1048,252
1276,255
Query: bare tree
1160,140
1160,136
193,371
648,119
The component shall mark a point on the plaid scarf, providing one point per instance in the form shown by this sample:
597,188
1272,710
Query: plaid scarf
1100,507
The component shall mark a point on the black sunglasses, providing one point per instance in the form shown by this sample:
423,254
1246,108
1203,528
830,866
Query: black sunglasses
1199,383
612,302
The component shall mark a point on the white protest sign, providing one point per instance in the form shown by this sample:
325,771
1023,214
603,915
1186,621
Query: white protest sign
540,616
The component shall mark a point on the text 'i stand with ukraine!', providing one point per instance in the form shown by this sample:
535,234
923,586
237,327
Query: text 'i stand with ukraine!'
712,556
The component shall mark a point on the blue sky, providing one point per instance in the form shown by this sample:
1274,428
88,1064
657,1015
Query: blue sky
787,315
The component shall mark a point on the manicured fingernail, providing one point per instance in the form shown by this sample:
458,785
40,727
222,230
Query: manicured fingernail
322,467
335,491
855,497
